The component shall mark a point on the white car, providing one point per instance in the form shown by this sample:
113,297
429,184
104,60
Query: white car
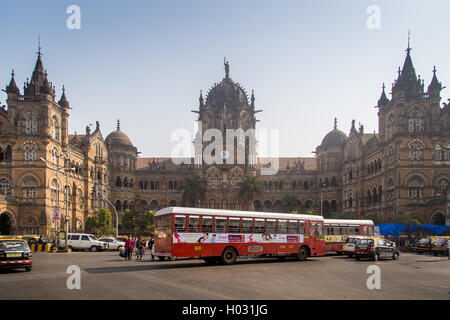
113,244
349,246
83,241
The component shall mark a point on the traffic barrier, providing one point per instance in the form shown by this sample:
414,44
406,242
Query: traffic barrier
41,247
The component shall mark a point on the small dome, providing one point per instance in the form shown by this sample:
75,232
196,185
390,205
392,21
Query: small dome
118,138
335,138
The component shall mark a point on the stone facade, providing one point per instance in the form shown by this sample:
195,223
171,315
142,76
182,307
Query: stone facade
402,169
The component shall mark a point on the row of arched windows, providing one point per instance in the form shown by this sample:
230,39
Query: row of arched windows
374,167
126,183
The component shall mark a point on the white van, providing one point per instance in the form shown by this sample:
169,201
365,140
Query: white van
83,241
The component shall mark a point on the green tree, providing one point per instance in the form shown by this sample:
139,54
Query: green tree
289,202
250,188
137,219
193,191
373,216
101,223
91,224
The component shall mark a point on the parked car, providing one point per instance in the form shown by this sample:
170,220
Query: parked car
83,241
112,243
15,253
376,249
440,246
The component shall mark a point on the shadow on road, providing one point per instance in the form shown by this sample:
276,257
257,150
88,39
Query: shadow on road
156,265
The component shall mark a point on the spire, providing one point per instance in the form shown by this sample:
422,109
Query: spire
201,101
12,87
118,125
39,71
252,99
435,86
63,101
383,99
335,124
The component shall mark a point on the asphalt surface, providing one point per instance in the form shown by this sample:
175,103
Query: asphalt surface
104,275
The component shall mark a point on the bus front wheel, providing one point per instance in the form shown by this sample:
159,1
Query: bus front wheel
303,253
229,256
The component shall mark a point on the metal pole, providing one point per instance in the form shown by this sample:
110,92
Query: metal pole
67,205
321,201
115,211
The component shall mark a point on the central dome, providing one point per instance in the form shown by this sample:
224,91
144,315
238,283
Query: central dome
118,138
335,138
227,92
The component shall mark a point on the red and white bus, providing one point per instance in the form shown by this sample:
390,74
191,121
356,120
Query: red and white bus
337,231
223,235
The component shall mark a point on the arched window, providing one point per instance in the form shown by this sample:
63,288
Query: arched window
416,122
118,205
29,188
55,128
441,188
54,192
4,187
415,186
80,199
30,152
31,122
118,182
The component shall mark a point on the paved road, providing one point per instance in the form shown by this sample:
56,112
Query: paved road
105,275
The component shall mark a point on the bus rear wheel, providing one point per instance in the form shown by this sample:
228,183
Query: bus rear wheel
303,253
229,256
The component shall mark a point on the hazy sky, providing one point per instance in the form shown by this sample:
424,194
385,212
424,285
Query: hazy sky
145,62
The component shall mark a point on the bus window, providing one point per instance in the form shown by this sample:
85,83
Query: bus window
194,224
207,224
271,226
302,227
319,229
259,226
352,230
163,222
344,230
247,225
180,224
357,230
370,231
234,225
365,233
312,229
282,226
221,224
336,230
293,226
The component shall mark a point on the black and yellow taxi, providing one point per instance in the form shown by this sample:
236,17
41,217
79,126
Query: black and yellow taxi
440,246
424,245
15,253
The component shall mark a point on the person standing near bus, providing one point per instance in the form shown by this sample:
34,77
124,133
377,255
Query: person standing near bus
129,246
140,244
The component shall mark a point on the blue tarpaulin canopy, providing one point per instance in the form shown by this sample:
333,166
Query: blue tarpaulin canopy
392,229
434,229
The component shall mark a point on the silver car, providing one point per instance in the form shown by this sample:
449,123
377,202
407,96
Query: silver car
113,244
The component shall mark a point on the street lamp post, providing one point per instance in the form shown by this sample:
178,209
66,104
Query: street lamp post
115,211
66,190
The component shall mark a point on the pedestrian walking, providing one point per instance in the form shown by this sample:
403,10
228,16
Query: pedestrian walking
140,244
151,243
129,247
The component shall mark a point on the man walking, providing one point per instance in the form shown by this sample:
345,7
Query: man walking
140,244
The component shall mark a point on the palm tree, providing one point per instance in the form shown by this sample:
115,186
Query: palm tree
193,191
250,188
289,202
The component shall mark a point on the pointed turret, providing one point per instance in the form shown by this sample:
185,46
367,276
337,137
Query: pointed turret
46,87
12,87
407,80
38,75
383,99
435,87
201,101
63,101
